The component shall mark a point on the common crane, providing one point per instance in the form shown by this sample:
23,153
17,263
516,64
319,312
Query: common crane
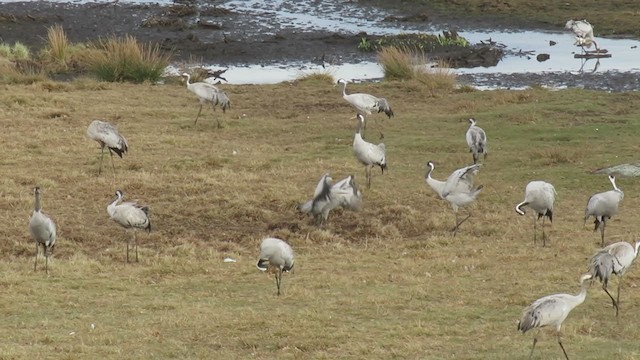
603,206
275,254
583,32
107,136
366,103
208,93
43,231
368,154
458,190
329,196
477,140
130,216
614,259
539,196
552,310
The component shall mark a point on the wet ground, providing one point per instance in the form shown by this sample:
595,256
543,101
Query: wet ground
310,35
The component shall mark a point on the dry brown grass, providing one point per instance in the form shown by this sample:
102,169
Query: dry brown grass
408,64
386,282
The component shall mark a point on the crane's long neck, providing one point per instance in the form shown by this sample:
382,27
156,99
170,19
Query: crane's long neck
436,185
579,298
38,205
519,206
635,253
344,89
111,208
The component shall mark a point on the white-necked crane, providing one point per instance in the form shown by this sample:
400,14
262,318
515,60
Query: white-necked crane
208,93
539,196
603,206
614,259
552,310
275,254
106,135
43,231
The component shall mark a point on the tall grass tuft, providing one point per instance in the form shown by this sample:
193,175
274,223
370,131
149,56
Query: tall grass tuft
125,59
57,48
318,77
400,63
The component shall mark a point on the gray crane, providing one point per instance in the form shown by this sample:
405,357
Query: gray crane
329,196
43,231
539,196
477,141
458,190
614,259
603,206
583,32
277,255
130,216
552,310
107,136
366,103
368,154
208,93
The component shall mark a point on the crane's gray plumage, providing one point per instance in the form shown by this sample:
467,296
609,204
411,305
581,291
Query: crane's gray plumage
477,140
583,32
368,154
329,196
365,103
43,230
602,206
539,196
208,93
275,253
552,310
614,259
458,190
107,136
130,216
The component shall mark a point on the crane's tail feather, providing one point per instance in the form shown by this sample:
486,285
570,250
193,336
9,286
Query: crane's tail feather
602,266
118,152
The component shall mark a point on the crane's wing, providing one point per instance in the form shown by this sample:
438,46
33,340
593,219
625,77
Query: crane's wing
363,102
106,133
322,195
542,312
345,193
221,98
461,180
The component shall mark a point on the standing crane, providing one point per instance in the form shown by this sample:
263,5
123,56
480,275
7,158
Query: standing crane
614,259
277,255
366,103
130,216
603,206
539,196
208,93
367,153
43,231
477,140
107,136
552,310
583,32
458,190
329,196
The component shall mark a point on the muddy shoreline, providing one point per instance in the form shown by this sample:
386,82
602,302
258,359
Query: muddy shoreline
225,35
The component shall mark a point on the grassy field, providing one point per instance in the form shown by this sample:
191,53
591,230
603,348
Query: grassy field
386,282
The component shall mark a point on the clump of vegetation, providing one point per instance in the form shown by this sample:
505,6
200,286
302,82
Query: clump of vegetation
125,59
406,64
16,52
419,42
318,77
57,48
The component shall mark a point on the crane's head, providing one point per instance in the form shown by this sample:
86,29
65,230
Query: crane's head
585,277
341,82
119,194
36,190
472,121
360,118
569,24
431,164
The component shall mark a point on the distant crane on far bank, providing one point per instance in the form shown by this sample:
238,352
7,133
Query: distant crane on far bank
208,93
539,196
275,254
552,310
614,259
603,206
583,32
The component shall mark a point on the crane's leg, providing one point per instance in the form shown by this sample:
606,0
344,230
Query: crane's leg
535,230
458,223
278,275
475,157
602,226
544,235
113,166
36,263
127,251
615,305
197,116
135,243
101,157
367,171
535,340
562,347
46,261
